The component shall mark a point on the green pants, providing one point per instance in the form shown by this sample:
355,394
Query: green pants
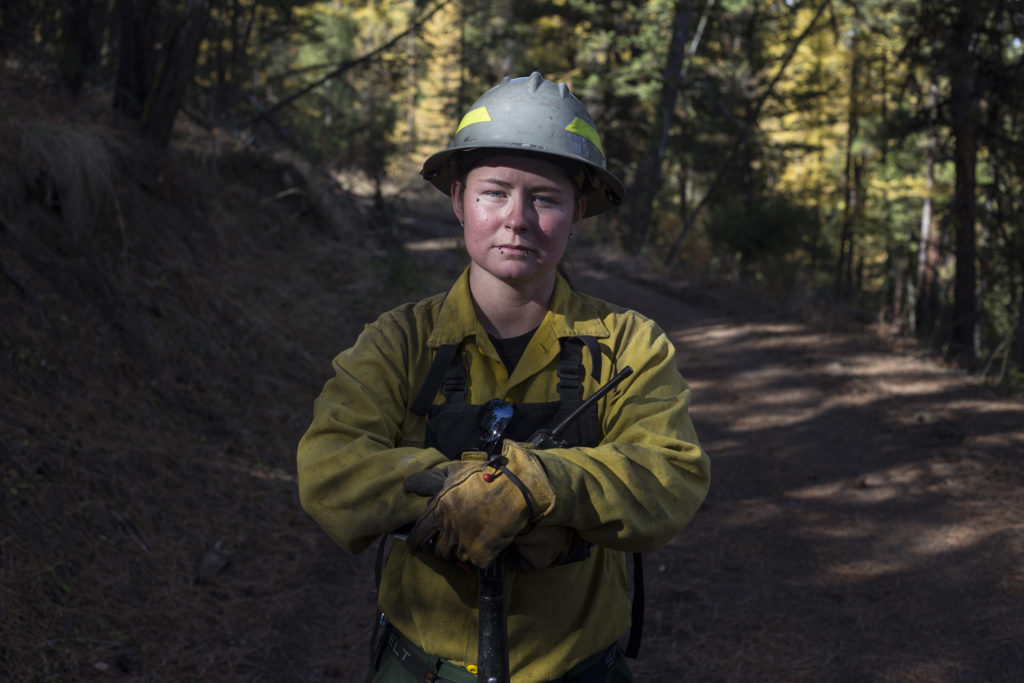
392,647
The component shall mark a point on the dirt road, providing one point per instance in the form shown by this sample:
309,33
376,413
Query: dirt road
866,512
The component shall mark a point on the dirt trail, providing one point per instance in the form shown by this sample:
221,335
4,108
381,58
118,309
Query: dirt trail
865,515
864,521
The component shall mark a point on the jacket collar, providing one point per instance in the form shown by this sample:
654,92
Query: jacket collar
570,314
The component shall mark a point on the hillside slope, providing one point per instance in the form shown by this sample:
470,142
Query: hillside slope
168,319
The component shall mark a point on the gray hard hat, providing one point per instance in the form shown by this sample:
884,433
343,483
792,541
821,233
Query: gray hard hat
536,116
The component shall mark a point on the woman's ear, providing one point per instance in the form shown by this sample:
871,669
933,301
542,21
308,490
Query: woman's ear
581,208
458,191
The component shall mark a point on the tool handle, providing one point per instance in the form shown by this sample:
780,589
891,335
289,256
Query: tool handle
492,657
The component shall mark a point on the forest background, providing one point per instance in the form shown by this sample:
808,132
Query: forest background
866,155
180,177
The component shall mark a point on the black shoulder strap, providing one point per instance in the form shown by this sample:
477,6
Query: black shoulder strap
447,373
384,545
595,354
570,366
443,369
570,371
636,628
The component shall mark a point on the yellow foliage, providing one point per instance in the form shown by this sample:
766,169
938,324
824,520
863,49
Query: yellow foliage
437,84
815,136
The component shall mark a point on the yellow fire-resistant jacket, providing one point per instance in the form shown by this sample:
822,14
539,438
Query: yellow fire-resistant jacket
633,492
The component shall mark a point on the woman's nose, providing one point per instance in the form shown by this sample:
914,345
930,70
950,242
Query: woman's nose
516,216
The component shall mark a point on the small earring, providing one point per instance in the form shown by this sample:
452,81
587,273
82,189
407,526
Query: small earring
571,235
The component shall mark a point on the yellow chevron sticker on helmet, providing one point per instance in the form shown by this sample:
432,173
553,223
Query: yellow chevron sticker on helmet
478,115
584,129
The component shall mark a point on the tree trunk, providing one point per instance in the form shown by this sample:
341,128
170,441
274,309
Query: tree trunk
647,180
176,71
83,37
1017,348
137,57
221,41
963,105
155,70
926,308
411,90
15,27
898,270
852,186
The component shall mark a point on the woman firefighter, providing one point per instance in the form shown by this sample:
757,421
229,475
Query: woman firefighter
426,425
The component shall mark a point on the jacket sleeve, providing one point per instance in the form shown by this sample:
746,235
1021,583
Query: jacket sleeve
350,462
647,478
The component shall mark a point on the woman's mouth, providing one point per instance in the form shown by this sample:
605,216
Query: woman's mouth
514,250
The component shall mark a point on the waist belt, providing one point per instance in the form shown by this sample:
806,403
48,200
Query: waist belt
414,660
420,665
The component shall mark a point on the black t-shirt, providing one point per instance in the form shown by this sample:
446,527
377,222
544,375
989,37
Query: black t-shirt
511,350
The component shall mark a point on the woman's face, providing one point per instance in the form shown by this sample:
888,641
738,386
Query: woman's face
518,213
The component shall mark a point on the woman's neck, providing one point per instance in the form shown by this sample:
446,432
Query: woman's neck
509,310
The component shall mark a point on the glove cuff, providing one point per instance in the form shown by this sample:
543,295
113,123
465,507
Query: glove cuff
527,468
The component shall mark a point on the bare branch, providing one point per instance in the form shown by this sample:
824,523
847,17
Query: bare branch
350,63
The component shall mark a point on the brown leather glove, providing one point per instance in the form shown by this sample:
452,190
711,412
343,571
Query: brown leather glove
480,509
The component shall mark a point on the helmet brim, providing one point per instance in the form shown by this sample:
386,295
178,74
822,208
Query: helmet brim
604,191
